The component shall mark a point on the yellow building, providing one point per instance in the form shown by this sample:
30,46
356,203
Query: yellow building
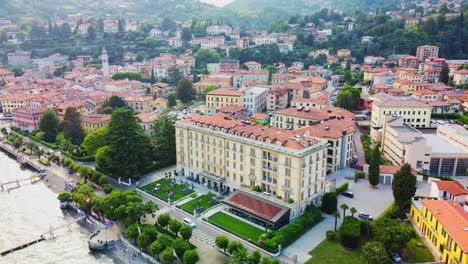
92,122
415,113
140,104
289,166
160,103
14,101
224,97
343,53
444,225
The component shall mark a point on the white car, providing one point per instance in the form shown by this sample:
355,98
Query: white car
189,222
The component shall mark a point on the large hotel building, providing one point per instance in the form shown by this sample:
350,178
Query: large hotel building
288,165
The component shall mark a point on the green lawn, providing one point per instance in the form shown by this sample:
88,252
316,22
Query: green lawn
203,201
236,226
418,254
329,252
164,183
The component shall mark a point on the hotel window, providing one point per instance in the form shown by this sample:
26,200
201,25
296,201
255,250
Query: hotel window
434,166
287,172
446,168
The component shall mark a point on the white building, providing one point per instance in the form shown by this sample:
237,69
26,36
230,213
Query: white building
219,29
254,99
265,40
449,190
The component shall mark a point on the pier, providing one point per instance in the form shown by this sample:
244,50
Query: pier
19,157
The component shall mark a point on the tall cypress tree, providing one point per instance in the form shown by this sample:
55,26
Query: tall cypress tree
374,167
72,129
403,187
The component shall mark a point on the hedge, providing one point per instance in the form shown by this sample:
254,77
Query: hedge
84,158
350,232
95,176
291,232
359,175
45,143
341,188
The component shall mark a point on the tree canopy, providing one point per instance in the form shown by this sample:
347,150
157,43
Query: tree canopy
50,125
205,56
185,91
164,140
403,187
72,129
348,98
374,167
128,151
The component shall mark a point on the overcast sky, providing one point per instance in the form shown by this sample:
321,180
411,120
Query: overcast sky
217,2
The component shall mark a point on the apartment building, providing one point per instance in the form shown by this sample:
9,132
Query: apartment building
426,51
19,58
219,29
140,104
460,77
224,97
95,121
225,154
416,113
27,118
408,61
444,226
343,53
255,99
295,118
257,75
14,101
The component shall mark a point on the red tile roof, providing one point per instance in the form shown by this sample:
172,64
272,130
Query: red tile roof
390,169
315,114
453,219
453,187
226,92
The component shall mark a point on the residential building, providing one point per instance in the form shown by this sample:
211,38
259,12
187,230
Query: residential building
258,75
415,113
253,65
277,98
122,86
460,77
295,118
160,103
51,61
229,66
175,42
140,104
343,53
235,156
408,61
111,26
219,29
14,101
308,103
444,227
92,122
426,51
265,40
254,99
449,190
27,118
146,121
224,97
235,112
160,89
386,173
19,58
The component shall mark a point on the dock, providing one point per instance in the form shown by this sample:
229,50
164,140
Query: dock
19,157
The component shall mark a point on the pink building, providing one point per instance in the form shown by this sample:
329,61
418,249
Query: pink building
27,118
277,98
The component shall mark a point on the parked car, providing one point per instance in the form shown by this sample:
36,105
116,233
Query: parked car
348,194
189,222
394,256
365,216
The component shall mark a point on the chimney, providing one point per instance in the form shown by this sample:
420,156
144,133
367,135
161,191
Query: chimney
343,132
327,127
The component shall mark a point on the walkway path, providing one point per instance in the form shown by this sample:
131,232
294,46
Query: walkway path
359,148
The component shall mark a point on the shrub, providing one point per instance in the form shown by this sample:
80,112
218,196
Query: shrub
350,232
359,175
108,189
365,227
332,235
329,202
341,188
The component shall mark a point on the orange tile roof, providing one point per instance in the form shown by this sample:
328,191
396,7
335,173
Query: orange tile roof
453,218
226,92
454,187
315,114
96,118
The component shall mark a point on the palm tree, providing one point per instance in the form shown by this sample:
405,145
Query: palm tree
239,256
345,207
353,211
336,215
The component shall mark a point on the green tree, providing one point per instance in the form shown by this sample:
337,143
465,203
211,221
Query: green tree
185,91
91,33
345,207
163,220
234,246
164,140
64,197
95,140
374,167
403,187
205,56
167,256
115,102
444,74
168,24
239,256
337,215
185,232
132,232
191,257
391,233
72,129
175,226
186,34
172,100
375,253
255,257
222,242
126,75
348,97
180,246
50,125
17,71
174,76
156,248
128,151
329,202
353,211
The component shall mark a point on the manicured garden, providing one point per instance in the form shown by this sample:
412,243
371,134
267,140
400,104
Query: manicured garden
236,226
329,252
164,187
203,202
